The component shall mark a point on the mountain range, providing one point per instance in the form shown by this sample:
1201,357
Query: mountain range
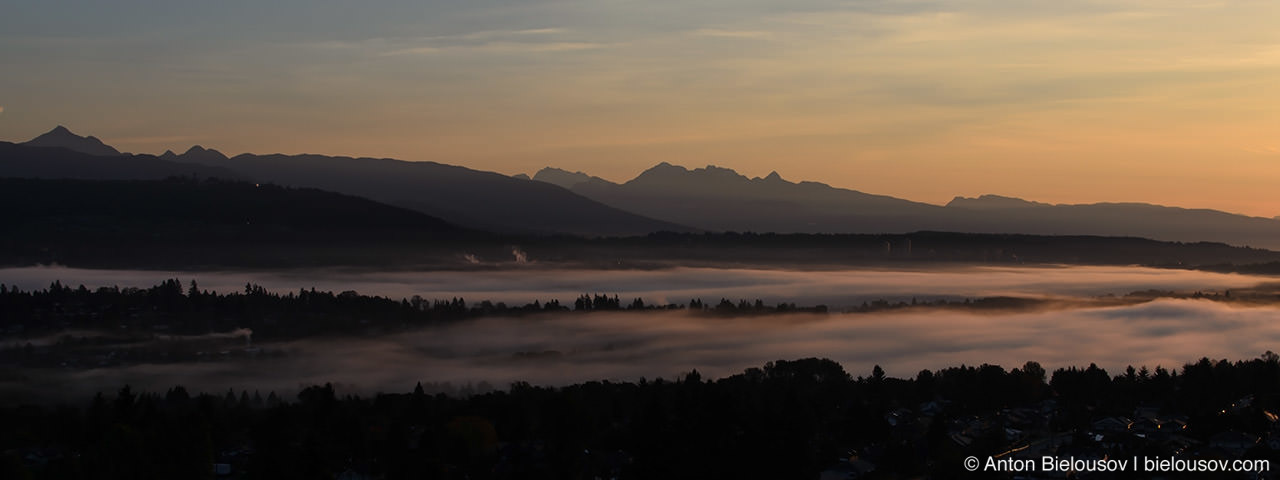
665,197
721,199
477,199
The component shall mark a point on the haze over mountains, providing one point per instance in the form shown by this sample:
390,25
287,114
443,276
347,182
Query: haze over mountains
720,199
664,198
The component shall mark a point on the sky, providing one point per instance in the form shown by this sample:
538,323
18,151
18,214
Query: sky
1162,101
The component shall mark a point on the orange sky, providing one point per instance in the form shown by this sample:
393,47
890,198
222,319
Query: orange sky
1170,102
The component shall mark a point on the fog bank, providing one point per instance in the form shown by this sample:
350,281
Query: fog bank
558,349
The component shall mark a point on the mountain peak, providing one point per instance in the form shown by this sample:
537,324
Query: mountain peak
986,202
62,137
773,176
197,154
665,167
676,178
561,177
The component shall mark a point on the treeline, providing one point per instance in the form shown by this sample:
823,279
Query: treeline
173,308
787,419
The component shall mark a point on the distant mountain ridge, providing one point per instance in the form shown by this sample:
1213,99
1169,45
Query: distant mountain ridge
718,199
665,197
991,202
482,200
21,160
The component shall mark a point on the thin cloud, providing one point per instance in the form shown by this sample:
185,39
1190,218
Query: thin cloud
498,48
493,42
715,32
488,34
538,31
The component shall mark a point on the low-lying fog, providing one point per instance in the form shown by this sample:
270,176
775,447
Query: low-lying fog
837,289
568,348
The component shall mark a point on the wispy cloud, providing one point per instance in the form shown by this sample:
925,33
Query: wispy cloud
498,48
488,34
716,32
529,40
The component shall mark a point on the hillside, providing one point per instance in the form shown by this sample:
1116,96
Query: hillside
27,161
205,222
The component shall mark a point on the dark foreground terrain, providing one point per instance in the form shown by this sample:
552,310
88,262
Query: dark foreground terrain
805,418
788,419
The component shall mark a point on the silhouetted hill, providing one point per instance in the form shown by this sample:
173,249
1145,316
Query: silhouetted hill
25,161
720,199
717,198
484,200
60,136
201,222
1002,214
